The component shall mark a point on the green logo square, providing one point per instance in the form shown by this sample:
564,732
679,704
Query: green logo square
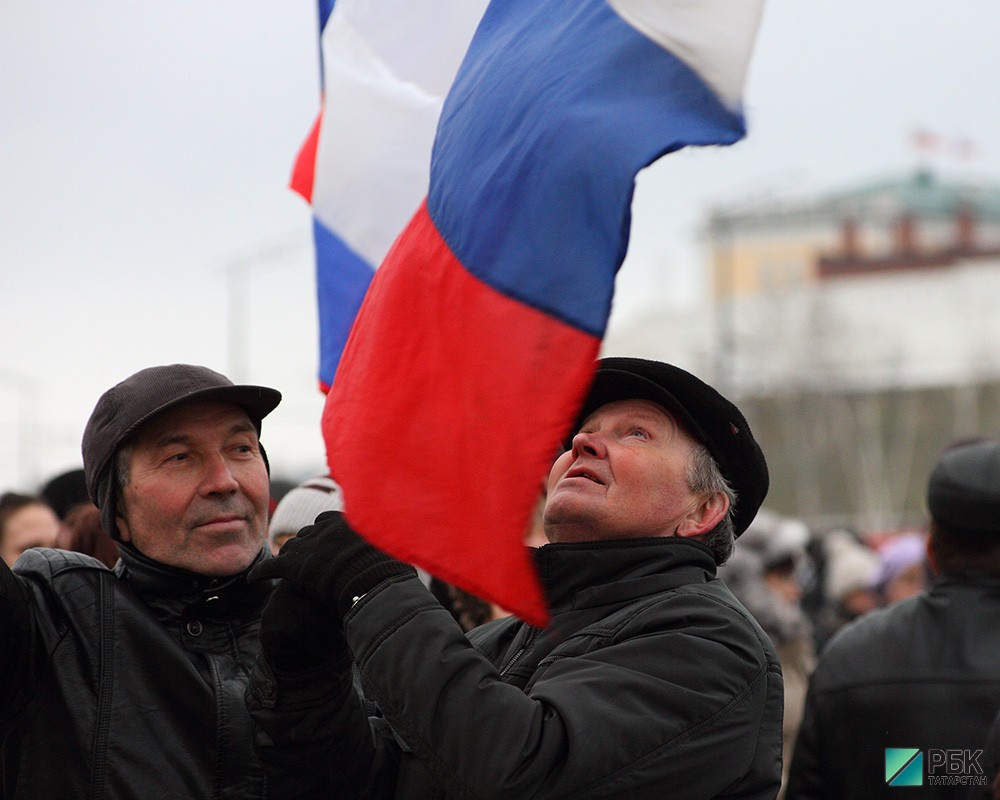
904,766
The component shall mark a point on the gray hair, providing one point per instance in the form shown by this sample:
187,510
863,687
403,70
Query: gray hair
705,478
123,470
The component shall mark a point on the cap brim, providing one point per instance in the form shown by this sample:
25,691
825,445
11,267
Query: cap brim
257,401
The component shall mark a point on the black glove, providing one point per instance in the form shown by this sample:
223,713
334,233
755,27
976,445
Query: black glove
298,635
331,564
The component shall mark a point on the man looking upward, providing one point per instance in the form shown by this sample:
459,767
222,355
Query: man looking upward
650,681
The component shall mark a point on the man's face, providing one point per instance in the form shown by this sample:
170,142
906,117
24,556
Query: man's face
624,477
197,494
34,525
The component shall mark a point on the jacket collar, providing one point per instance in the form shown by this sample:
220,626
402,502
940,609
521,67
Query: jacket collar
973,583
174,589
579,574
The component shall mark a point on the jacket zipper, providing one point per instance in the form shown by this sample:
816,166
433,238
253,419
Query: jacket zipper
105,692
528,641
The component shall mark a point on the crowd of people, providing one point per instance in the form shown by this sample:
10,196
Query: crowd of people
803,586
178,623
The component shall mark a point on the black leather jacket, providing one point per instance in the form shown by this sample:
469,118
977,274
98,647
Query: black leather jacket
652,681
125,683
923,675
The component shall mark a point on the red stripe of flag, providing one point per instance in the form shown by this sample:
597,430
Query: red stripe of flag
304,171
492,414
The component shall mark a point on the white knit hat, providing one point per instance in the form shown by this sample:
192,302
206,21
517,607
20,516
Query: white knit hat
775,538
301,505
850,565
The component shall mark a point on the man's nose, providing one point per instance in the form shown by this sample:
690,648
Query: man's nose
218,477
589,443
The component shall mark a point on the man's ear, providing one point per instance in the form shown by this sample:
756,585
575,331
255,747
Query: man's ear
705,516
123,529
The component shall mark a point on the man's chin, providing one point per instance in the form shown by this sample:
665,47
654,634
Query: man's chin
224,560
571,524
570,508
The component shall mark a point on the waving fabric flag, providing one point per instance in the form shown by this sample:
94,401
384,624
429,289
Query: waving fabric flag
365,165
476,342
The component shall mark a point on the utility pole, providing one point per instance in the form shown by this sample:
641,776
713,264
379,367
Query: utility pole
26,453
273,254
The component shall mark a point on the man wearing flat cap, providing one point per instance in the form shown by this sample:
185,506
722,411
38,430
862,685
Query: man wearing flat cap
129,683
923,675
651,680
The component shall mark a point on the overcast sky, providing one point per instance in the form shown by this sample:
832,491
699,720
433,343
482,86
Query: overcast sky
145,150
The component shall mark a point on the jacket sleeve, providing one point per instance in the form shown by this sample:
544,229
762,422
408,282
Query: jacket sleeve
676,703
312,734
20,648
991,765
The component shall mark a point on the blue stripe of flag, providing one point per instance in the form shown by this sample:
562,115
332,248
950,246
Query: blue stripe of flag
558,104
342,278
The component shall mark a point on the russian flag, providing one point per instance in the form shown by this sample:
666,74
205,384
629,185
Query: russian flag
477,338
365,165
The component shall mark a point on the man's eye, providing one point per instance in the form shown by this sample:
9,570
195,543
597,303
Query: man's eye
177,457
640,432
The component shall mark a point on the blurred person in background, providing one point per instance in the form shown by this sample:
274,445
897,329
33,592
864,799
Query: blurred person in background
26,521
849,567
990,788
66,491
922,674
299,506
764,574
469,610
82,532
279,488
902,569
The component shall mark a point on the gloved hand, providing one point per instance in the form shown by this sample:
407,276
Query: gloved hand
331,564
298,635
